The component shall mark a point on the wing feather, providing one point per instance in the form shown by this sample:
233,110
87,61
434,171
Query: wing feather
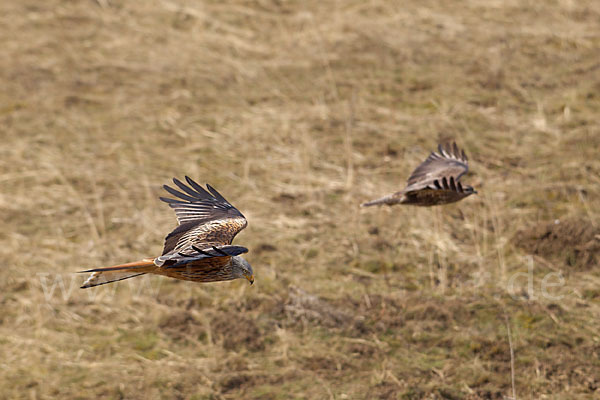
188,190
450,161
205,218
215,193
195,186
193,254
178,194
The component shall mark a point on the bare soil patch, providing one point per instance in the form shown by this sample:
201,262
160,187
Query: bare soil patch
571,242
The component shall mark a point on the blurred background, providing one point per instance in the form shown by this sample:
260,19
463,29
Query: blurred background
298,111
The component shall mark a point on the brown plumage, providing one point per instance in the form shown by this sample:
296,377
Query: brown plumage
199,249
436,181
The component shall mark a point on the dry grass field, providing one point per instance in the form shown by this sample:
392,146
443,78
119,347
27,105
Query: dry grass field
298,111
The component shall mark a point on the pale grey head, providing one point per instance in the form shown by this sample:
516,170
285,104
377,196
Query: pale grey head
242,269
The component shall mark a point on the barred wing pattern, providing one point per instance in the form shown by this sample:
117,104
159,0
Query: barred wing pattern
205,217
450,162
441,191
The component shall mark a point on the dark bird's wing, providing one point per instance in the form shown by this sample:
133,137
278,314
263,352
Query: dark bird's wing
203,266
205,218
441,191
200,257
450,162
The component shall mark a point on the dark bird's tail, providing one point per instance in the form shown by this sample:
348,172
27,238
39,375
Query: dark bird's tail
101,276
389,200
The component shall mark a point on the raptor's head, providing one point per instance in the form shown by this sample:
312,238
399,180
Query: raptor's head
469,190
242,269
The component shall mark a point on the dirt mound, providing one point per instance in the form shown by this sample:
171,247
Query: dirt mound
238,332
574,242
302,307
234,330
181,325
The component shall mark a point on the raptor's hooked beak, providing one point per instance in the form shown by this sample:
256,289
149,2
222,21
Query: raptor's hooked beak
250,278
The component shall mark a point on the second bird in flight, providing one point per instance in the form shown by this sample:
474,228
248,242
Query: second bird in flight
434,182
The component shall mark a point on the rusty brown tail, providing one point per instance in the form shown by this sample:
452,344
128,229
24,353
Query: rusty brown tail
101,276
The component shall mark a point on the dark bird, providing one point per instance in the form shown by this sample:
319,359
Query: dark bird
199,249
436,181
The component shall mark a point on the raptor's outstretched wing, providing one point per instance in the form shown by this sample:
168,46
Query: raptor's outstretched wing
440,191
450,162
205,218
198,257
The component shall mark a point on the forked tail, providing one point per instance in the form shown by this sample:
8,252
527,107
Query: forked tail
101,276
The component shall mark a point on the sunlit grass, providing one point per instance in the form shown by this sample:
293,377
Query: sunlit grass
298,112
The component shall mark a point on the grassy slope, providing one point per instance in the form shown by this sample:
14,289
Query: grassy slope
298,111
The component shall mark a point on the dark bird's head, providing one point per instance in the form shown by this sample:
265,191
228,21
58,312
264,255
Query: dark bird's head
469,190
464,190
242,269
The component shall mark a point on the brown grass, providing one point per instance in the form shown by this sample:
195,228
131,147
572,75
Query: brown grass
298,111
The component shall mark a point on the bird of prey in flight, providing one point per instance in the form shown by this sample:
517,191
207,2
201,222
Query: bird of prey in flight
199,249
436,181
